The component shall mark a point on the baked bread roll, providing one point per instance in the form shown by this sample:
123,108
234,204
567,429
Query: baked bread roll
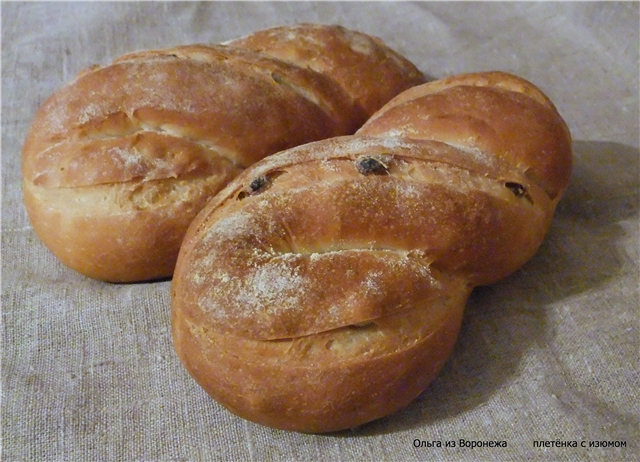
325,286
118,162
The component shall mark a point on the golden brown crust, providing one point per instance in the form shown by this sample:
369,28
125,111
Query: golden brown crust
337,53
324,286
323,226
326,382
193,114
492,112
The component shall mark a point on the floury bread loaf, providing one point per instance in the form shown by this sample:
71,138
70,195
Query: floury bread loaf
324,287
118,162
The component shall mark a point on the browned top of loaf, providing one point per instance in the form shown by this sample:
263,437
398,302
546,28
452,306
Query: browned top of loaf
216,97
309,246
493,112
341,54
219,100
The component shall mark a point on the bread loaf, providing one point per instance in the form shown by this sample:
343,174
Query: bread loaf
324,287
118,162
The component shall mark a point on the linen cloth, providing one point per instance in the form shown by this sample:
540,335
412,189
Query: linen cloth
545,359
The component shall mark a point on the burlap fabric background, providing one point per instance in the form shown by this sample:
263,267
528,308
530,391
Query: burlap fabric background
550,354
